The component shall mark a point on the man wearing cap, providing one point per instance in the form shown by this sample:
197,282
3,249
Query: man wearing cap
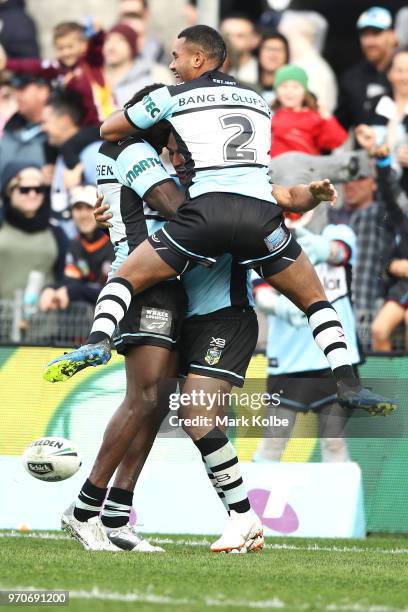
23,137
368,78
88,258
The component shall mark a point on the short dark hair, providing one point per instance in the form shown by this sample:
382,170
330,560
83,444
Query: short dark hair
68,103
274,35
68,27
209,39
159,133
139,95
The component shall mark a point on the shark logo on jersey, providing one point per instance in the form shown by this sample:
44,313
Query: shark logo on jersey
214,351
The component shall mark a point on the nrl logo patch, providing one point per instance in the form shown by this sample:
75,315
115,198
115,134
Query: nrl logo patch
214,351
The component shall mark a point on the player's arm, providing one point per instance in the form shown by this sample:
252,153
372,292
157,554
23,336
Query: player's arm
140,168
165,198
140,116
302,198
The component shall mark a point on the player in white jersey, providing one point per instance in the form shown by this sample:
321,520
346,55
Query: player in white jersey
232,213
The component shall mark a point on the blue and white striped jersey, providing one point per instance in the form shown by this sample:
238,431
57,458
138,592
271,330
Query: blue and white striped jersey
223,130
126,172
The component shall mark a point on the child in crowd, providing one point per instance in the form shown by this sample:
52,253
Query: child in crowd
298,123
78,66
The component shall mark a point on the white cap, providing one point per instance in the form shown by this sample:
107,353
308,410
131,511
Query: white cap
86,194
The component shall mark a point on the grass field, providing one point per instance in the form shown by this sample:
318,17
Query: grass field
289,574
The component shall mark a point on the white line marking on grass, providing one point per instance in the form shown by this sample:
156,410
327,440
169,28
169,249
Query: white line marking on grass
46,535
268,604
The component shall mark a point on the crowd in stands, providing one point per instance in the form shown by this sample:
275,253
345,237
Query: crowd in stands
51,110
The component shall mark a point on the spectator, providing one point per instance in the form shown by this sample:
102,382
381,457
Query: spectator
8,102
306,32
125,71
62,120
78,67
368,78
135,13
298,123
273,53
18,33
88,260
389,116
23,137
28,240
243,38
364,212
394,311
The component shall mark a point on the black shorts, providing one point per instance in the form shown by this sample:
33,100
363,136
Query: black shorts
212,224
305,391
220,344
154,318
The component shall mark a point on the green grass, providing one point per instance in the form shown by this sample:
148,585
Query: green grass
290,574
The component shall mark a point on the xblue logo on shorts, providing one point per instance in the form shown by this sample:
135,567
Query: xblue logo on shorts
276,239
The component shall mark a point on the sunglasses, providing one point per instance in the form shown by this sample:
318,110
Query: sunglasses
26,190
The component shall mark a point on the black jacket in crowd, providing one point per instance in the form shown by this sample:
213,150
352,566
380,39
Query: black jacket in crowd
357,87
18,33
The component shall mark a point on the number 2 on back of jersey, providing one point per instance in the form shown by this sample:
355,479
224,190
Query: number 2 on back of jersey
236,146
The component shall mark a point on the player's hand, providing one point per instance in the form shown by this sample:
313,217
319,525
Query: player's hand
365,135
323,191
100,214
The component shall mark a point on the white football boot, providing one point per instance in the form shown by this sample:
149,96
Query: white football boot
127,538
91,534
244,533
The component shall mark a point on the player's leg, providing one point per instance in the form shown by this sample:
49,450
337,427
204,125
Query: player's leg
220,457
299,282
387,320
142,269
216,350
145,365
119,501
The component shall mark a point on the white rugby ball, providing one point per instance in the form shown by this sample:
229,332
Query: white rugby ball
51,459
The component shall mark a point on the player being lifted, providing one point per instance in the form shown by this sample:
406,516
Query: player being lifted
217,341
223,131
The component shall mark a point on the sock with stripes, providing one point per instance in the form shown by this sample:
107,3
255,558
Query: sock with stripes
216,486
89,502
117,508
112,305
219,455
329,336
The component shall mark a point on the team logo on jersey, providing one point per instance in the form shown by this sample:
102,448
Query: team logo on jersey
214,351
141,166
155,320
150,106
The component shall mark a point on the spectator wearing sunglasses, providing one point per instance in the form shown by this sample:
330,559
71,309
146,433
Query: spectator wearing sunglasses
28,240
